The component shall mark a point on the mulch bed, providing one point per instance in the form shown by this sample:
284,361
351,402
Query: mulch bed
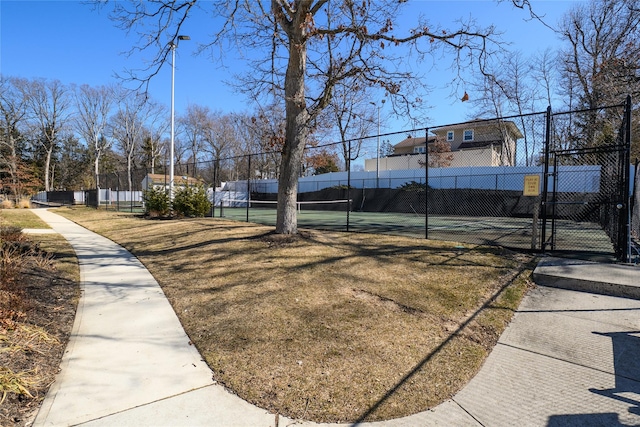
37,311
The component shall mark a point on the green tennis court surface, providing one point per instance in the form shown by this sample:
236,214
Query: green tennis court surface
508,232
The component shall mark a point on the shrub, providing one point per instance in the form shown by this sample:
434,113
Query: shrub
10,233
24,204
11,242
156,202
191,202
6,204
413,186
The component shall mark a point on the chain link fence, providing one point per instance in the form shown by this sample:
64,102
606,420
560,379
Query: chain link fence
587,169
462,182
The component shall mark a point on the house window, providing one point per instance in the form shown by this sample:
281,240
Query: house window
468,135
419,149
450,135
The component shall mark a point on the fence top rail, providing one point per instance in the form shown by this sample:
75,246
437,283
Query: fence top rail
586,110
592,150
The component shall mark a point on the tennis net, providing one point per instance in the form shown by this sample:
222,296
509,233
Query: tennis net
311,205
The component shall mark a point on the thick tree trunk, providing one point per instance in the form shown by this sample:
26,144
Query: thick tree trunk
129,170
12,164
47,172
295,133
96,169
287,220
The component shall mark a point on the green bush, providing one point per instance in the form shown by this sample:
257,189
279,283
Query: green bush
156,202
191,202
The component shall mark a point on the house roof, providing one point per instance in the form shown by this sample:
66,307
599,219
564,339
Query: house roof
511,126
158,179
412,142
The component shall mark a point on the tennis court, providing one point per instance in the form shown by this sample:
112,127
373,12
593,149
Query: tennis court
513,233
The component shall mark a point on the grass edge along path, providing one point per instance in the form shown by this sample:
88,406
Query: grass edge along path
327,326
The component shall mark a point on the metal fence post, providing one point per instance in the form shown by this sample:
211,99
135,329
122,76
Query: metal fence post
426,183
545,179
248,185
117,192
213,190
348,184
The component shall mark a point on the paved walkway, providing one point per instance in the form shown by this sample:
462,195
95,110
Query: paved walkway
568,358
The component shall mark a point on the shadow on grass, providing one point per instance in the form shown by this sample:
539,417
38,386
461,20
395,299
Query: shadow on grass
407,377
425,252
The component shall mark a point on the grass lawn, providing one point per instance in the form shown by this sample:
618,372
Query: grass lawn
327,326
22,218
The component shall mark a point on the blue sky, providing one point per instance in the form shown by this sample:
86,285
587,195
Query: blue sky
71,42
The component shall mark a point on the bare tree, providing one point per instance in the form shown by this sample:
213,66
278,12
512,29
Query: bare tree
13,110
521,95
600,62
354,118
602,53
180,154
218,134
127,126
93,106
296,66
49,105
266,136
191,126
543,71
512,86
156,127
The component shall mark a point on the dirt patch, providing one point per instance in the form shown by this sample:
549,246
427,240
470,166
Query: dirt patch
280,240
385,302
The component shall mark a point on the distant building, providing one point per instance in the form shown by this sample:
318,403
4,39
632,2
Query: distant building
159,182
474,143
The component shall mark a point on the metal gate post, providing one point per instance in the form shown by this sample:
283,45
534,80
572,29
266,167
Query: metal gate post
625,224
554,201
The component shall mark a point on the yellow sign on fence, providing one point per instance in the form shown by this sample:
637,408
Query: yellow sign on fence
531,185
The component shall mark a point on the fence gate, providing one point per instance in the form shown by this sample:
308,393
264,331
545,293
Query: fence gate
587,214
91,198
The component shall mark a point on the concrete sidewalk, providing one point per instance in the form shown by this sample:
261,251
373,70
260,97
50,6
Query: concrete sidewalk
568,358
129,361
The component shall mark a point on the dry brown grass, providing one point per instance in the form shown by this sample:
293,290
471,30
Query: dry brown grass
327,326
24,204
6,204
19,218
9,204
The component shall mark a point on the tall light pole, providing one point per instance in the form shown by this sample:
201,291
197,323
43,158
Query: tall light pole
173,47
378,145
